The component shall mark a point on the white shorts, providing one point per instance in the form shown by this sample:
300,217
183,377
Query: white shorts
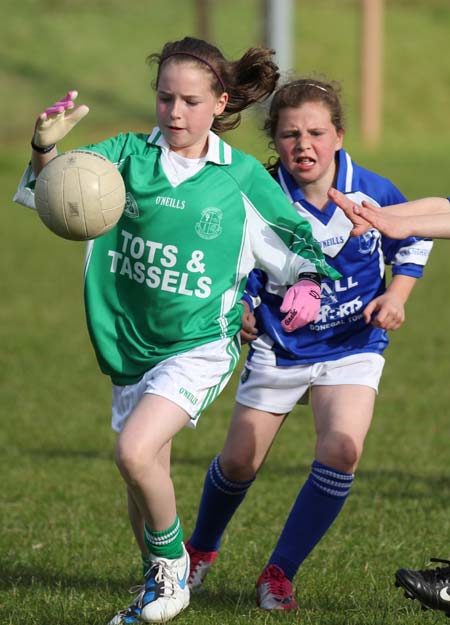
266,386
192,380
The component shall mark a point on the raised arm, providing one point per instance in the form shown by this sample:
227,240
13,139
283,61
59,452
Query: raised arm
51,126
427,217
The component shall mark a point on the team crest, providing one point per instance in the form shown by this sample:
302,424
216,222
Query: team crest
209,226
368,241
245,375
131,207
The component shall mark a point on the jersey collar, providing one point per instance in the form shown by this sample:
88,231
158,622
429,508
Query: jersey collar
344,180
219,152
289,185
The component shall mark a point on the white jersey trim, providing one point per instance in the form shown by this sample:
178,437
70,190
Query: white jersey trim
219,152
349,173
25,195
243,267
417,253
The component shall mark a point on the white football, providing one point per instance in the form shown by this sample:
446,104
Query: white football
80,195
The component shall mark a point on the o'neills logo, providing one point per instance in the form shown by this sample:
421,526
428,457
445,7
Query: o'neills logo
209,226
171,202
189,396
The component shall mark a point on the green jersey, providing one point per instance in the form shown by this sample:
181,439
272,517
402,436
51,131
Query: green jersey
170,275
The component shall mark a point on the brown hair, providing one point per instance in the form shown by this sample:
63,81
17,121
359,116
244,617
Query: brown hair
295,93
251,79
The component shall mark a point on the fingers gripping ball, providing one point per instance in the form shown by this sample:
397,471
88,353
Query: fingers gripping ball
80,195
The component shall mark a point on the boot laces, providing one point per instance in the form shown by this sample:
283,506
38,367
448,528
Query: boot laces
277,582
160,571
439,573
134,608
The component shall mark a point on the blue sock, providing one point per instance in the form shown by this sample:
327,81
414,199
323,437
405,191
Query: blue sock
220,499
316,507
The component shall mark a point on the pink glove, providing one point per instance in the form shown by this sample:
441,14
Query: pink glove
301,303
67,102
57,120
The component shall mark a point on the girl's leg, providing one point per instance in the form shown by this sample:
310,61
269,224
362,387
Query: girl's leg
227,481
143,458
137,520
249,439
137,525
342,415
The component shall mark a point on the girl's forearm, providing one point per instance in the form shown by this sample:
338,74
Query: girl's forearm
435,226
424,206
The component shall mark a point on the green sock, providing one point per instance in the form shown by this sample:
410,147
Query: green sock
166,544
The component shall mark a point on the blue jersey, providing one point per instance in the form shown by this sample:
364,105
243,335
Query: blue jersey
340,329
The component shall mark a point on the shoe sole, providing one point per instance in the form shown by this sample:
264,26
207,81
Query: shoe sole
165,618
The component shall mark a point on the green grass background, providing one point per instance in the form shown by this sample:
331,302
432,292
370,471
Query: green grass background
67,555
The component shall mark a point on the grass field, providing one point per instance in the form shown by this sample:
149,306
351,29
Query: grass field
66,553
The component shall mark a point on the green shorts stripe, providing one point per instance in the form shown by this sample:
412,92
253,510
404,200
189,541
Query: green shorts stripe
234,351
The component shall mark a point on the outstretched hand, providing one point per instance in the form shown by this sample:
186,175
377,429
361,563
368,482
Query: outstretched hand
57,120
392,226
394,222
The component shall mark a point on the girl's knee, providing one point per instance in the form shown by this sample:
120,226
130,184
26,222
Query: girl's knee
238,467
339,451
130,462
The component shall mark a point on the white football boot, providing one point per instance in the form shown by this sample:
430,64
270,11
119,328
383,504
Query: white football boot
166,589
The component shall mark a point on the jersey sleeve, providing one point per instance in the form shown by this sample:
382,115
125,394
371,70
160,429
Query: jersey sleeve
281,240
408,256
25,190
256,281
